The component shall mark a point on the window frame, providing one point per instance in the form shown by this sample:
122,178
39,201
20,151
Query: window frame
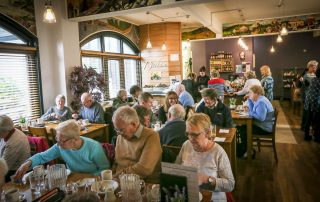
29,48
105,56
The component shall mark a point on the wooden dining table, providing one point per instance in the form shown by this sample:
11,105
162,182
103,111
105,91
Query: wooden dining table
74,177
240,119
93,130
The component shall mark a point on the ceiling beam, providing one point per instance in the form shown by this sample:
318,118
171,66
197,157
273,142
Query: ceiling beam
203,14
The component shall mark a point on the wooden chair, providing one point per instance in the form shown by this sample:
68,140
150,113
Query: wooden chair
41,132
268,138
170,153
109,150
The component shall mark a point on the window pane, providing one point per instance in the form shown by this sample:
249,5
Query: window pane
7,37
94,45
130,73
19,95
114,77
112,44
127,49
94,62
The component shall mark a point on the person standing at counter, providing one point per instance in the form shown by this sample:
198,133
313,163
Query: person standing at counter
191,85
218,84
58,112
202,79
267,82
250,81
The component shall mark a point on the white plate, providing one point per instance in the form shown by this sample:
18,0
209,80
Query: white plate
105,184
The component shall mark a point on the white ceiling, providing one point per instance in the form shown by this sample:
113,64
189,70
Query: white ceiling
217,12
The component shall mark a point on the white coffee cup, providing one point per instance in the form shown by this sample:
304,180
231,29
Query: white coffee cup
12,195
106,175
40,121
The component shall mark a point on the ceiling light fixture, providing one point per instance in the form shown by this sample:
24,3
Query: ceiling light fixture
272,50
48,15
284,31
164,47
279,39
149,45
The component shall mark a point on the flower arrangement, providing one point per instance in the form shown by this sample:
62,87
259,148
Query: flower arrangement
85,79
237,84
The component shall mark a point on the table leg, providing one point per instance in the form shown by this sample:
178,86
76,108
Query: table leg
249,138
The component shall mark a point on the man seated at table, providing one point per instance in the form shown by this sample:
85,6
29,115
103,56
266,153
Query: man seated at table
80,154
14,145
90,110
138,148
146,99
144,115
135,92
218,112
173,132
58,112
120,100
185,98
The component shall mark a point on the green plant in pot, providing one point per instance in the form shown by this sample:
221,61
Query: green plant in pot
86,79
232,102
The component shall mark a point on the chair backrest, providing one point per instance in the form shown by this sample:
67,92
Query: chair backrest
37,144
170,153
109,150
40,132
276,112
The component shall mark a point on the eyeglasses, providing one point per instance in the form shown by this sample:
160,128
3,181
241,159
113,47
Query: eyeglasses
119,131
62,141
194,135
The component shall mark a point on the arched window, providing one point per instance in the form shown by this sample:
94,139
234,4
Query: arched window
19,72
116,57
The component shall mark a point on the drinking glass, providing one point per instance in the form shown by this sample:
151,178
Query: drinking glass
35,183
57,176
130,187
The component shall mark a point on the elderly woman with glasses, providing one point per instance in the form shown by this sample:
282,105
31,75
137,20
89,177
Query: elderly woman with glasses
80,154
201,151
171,99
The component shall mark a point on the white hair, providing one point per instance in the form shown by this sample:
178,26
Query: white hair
69,129
177,111
6,123
126,114
60,97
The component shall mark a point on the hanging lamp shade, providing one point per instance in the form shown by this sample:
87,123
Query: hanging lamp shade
272,49
279,39
283,31
164,47
48,15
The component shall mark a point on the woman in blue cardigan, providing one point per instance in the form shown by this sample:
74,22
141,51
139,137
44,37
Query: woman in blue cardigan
261,109
80,154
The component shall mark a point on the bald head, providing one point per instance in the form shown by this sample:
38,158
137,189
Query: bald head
86,99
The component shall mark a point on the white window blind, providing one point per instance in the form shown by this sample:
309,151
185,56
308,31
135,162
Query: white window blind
94,62
19,92
130,73
114,77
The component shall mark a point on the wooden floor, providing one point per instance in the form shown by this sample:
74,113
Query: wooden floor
296,177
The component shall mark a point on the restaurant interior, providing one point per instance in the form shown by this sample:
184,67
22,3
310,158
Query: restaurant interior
104,46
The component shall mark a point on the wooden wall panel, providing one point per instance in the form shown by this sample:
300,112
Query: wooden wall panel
155,60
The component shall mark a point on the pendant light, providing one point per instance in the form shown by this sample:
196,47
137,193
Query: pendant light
164,47
279,39
48,15
149,45
284,31
272,50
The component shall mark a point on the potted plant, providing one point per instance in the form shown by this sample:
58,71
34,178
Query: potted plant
23,122
85,79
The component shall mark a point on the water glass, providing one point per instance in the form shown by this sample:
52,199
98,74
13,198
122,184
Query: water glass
35,183
57,176
130,187
214,131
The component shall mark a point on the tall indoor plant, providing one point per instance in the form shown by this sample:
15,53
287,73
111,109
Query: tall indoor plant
85,79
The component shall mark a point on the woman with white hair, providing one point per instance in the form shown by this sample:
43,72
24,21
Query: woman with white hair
58,112
120,100
200,151
80,154
14,145
250,81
